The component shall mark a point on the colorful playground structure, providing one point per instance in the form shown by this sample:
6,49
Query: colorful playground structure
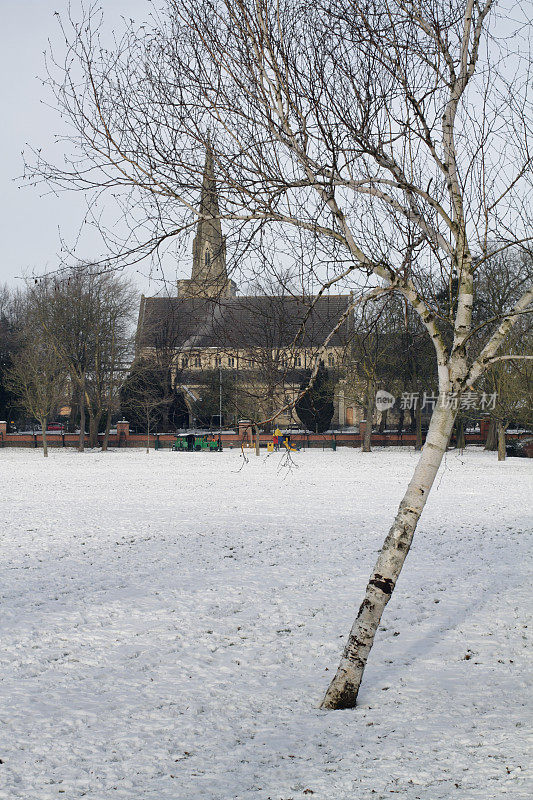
282,441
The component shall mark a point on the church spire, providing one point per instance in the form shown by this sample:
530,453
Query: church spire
209,247
209,199
209,275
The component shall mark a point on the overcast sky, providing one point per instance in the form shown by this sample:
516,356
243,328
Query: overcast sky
30,223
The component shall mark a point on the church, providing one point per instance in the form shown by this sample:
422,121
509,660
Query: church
240,356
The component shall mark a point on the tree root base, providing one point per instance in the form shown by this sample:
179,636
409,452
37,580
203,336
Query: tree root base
338,699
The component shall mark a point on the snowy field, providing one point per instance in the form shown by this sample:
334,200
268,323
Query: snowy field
170,622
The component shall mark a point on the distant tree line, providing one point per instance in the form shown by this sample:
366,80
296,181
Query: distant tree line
66,349
66,345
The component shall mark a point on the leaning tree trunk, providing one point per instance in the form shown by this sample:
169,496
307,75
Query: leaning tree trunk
501,441
343,690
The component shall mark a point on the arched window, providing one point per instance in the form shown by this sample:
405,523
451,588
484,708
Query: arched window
331,361
207,257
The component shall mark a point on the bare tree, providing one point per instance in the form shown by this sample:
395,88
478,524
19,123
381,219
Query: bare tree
85,314
386,145
499,283
11,318
39,380
145,396
510,384
113,300
62,313
374,351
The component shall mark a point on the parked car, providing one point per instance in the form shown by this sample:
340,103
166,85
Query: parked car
520,448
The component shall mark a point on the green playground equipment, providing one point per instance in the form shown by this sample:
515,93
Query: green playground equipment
191,442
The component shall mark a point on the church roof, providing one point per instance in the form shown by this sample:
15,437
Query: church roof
241,322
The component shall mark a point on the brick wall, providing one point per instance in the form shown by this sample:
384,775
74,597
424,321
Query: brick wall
124,438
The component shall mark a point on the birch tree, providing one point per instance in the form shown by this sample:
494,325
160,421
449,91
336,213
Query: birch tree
385,143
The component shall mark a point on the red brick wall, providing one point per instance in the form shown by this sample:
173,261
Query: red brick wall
166,440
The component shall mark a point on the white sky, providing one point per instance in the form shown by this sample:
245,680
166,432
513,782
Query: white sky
29,222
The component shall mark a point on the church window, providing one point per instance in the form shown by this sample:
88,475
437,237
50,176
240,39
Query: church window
331,361
184,363
218,361
197,362
298,361
231,361
207,258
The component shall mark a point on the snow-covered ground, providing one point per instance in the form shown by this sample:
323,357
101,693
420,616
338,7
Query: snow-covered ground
170,621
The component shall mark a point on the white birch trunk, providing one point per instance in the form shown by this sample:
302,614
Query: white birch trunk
343,690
